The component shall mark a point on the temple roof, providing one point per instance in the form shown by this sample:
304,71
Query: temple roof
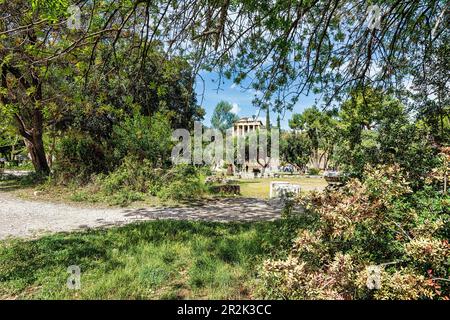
249,120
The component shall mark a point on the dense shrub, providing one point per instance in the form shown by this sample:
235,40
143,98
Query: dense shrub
135,175
131,181
379,222
144,137
182,182
78,157
313,171
134,179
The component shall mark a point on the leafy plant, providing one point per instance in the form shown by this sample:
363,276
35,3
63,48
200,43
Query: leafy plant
144,137
78,158
377,222
313,171
182,182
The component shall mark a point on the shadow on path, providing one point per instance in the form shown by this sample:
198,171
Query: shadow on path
227,209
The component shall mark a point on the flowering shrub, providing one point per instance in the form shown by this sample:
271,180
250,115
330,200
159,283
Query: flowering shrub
378,222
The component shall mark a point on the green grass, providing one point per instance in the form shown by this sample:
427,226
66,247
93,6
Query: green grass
91,195
24,187
260,188
151,260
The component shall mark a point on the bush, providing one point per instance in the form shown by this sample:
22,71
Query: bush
131,181
313,171
182,182
78,157
134,179
144,137
132,174
378,222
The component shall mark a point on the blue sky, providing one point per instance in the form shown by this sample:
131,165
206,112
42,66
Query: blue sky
208,96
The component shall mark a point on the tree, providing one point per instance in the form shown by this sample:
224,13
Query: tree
264,148
375,129
222,118
289,47
144,137
293,47
430,91
50,73
9,139
295,149
27,42
320,127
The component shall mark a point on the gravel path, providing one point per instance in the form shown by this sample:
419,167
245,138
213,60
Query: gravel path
24,219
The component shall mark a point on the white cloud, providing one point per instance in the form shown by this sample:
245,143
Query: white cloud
233,86
235,108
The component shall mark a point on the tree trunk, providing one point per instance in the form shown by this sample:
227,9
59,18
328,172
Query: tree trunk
36,147
263,170
33,141
33,129
13,150
36,150
316,159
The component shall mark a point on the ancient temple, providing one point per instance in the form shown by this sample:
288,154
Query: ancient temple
246,125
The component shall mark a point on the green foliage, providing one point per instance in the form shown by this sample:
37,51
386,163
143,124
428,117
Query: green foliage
50,9
133,174
376,222
375,129
139,144
79,157
320,129
85,86
136,180
26,166
183,182
430,97
29,180
9,138
130,182
313,171
295,149
161,84
144,137
222,117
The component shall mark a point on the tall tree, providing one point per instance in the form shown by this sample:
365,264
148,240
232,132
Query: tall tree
222,118
295,149
320,127
46,66
430,91
376,129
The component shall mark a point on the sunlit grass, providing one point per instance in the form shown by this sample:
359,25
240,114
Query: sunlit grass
73,194
90,195
260,188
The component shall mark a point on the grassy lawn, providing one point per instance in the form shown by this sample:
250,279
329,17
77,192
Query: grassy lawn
260,188
151,260
89,195
25,188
